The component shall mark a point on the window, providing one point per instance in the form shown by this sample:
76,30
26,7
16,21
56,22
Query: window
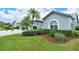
34,27
53,25
23,28
17,27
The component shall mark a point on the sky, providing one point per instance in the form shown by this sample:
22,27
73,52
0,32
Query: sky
17,14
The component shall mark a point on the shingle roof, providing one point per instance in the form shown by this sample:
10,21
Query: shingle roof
53,11
37,20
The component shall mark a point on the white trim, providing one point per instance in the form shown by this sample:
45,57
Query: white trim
54,20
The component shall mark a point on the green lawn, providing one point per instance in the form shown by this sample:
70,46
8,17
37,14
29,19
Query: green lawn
1,28
34,43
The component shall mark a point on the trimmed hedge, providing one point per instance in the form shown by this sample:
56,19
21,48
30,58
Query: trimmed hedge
26,33
52,32
47,31
33,32
65,32
29,33
59,36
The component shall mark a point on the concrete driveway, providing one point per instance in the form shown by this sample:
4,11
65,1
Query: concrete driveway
9,32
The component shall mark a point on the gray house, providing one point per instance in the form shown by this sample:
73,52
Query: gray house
56,20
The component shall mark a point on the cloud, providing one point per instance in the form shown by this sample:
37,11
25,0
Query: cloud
12,15
19,13
71,10
5,17
44,11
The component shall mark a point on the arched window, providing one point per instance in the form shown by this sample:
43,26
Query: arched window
53,25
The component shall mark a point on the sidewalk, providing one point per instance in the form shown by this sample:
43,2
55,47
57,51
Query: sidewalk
9,32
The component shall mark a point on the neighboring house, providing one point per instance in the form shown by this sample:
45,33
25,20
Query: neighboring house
55,20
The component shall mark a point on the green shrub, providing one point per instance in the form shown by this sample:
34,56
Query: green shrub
7,28
65,32
27,33
75,33
77,26
40,32
52,32
59,36
46,31
32,32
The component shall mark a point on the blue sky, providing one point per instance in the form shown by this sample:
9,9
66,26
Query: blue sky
14,9
11,14
61,9
6,9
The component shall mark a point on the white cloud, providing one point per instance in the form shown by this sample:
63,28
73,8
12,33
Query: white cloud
44,11
13,15
2,14
71,10
5,17
19,13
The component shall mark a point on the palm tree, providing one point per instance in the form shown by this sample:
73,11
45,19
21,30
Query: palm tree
34,14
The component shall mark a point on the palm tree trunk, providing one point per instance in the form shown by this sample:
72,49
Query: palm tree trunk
27,28
32,20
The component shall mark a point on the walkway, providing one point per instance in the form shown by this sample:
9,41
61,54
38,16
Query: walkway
10,32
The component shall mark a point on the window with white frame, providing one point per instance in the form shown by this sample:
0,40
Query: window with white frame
53,25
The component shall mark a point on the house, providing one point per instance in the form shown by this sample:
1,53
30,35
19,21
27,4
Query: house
56,20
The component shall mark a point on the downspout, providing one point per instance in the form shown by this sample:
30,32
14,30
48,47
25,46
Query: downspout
77,18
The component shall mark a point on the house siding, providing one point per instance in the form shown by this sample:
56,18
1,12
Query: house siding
64,21
38,24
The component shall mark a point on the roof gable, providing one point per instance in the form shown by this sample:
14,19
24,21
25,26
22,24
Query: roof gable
64,14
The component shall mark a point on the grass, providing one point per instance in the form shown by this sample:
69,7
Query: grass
34,43
1,29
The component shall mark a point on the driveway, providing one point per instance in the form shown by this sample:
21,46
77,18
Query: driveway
10,32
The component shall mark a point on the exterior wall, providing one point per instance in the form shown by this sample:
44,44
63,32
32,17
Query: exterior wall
64,21
30,27
75,16
38,24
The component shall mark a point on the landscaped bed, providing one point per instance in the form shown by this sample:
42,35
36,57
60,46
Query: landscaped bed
53,40
55,36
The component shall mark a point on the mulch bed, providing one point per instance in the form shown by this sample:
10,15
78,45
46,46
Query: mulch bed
52,39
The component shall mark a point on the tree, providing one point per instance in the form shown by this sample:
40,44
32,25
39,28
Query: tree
34,13
26,21
8,26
